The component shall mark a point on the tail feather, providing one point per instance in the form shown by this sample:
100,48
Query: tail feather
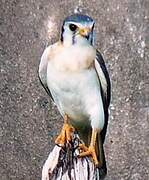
101,157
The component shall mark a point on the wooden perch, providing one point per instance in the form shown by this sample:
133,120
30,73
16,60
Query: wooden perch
63,163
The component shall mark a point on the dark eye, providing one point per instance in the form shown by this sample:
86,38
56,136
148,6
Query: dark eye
72,27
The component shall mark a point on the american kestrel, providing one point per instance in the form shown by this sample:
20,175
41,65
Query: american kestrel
74,74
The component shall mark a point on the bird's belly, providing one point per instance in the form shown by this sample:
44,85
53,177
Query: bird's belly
73,105
67,92
74,93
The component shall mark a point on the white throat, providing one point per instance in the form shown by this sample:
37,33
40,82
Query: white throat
70,39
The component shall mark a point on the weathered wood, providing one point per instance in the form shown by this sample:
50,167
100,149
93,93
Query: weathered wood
63,163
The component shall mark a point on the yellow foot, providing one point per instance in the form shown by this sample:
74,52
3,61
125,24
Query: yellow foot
65,135
89,151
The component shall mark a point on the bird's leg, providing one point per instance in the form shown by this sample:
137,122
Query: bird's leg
66,133
90,151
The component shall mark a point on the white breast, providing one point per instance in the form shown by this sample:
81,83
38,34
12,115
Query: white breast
76,93
74,58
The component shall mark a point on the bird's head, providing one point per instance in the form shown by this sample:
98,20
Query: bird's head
78,29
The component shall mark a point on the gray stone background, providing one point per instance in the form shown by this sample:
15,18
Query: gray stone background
29,122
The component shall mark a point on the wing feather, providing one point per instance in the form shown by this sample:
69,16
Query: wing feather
105,88
43,70
103,76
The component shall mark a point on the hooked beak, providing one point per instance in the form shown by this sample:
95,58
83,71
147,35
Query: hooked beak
85,32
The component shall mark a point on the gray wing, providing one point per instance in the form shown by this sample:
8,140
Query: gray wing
105,88
43,70
104,77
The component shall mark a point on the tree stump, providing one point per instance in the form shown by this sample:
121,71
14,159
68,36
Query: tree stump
63,163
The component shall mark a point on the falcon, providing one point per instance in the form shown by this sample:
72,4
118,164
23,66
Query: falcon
74,75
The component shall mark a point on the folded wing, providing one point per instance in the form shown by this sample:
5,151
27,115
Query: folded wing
43,70
105,88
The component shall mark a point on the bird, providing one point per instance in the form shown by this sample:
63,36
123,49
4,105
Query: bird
74,75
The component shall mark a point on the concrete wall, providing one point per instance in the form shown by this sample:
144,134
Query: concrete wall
29,121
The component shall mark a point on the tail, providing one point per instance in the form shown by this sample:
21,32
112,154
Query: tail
101,157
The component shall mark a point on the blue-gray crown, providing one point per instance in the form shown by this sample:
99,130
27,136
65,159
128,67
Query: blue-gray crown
78,18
